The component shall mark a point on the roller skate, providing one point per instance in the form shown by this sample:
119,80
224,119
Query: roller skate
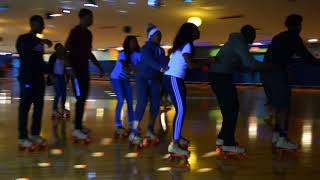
39,142
184,142
275,138
284,146
219,144
135,141
65,113
178,156
26,144
56,114
79,136
150,138
86,130
230,152
121,133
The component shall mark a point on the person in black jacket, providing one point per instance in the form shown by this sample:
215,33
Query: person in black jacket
31,81
281,51
57,67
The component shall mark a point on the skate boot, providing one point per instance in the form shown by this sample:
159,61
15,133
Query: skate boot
150,138
275,138
284,145
55,114
79,136
66,113
219,144
120,132
86,130
233,151
39,142
178,155
184,142
26,144
135,141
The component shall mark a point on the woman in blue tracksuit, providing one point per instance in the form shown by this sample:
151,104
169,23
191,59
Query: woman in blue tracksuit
173,81
120,76
148,75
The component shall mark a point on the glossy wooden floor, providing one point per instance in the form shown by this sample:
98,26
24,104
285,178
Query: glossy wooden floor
106,158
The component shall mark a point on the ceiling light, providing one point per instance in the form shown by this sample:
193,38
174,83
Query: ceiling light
313,40
195,20
257,44
123,11
132,3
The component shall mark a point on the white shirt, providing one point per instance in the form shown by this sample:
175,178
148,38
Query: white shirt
118,72
177,64
59,67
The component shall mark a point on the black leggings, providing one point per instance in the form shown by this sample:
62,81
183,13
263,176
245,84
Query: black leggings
226,92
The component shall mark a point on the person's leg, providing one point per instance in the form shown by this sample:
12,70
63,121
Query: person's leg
226,93
129,100
57,90
80,84
38,101
154,92
179,91
24,107
141,89
63,92
175,88
119,90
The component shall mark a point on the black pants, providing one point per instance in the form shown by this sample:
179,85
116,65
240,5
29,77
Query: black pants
226,92
31,93
81,90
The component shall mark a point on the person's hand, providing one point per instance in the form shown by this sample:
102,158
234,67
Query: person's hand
164,69
47,42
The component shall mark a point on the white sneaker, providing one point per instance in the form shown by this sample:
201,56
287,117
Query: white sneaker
233,149
285,143
275,137
78,134
219,142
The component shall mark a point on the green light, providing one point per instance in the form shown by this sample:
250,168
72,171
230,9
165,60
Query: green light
214,52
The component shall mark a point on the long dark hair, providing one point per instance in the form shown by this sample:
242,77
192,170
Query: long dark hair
184,36
127,50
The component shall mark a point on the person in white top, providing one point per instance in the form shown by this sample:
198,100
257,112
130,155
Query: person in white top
173,81
120,79
57,70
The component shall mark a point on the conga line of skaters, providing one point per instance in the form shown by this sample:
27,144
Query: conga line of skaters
152,70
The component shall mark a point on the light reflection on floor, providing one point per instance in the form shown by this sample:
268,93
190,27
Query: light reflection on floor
108,158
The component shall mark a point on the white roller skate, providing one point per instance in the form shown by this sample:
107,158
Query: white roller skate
135,140
284,145
80,136
121,132
184,142
26,144
178,154
233,151
150,138
219,144
39,142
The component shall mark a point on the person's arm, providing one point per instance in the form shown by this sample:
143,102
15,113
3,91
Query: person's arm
149,59
97,64
247,60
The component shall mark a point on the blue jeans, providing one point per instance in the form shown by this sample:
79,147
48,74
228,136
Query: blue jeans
123,91
60,88
145,89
